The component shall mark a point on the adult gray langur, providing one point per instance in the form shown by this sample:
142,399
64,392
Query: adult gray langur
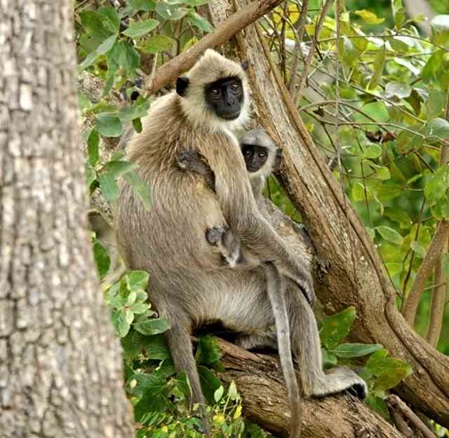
189,283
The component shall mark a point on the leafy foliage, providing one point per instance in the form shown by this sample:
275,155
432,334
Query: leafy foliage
380,371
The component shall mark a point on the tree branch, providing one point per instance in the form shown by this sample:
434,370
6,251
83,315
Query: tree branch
248,14
259,381
428,264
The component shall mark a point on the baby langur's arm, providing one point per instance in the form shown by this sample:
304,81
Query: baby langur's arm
192,161
228,245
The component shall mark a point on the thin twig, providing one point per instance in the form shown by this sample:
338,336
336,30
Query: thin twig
438,302
397,404
302,80
297,50
168,72
433,253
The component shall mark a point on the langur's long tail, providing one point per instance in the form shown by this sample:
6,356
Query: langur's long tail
276,295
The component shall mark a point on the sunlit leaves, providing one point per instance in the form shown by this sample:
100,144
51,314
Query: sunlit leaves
336,327
390,234
140,28
369,17
157,43
109,125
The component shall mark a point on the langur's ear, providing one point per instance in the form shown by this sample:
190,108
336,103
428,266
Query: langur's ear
245,65
182,84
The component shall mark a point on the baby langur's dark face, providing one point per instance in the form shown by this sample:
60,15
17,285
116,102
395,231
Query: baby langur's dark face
255,157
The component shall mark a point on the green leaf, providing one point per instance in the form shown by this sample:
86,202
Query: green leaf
418,248
389,371
208,352
141,187
170,11
152,326
196,2
108,125
155,397
139,28
139,308
373,151
232,391
93,25
108,186
93,142
358,192
110,18
218,394
389,234
397,89
378,67
435,103
398,13
135,6
137,280
137,110
119,167
101,257
209,383
436,184
200,22
157,43
120,323
407,140
329,359
103,48
383,173
440,30
124,55
369,17
438,128
348,351
336,327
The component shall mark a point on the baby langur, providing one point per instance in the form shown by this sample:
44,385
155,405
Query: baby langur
261,156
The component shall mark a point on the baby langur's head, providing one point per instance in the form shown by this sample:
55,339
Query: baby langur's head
259,152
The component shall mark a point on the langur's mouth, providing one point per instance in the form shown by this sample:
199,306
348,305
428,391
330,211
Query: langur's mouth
231,116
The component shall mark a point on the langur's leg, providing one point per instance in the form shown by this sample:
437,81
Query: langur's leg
307,351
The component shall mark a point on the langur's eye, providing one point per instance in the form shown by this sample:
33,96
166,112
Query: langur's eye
215,92
247,153
235,88
262,154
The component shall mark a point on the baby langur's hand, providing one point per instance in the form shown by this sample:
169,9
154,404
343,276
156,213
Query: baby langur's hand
188,160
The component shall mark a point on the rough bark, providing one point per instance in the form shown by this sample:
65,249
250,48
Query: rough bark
60,368
259,380
355,275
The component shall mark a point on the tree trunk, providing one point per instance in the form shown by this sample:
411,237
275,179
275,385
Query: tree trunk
354,273
60,368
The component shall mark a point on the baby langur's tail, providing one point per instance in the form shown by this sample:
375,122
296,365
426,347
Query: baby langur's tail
276,295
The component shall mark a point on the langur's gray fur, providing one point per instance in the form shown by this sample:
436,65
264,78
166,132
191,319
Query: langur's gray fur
189,284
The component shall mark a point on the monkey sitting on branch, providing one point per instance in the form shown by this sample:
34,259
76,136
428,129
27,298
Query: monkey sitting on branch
189,283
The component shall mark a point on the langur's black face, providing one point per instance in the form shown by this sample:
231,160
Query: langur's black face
225,97
255,157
